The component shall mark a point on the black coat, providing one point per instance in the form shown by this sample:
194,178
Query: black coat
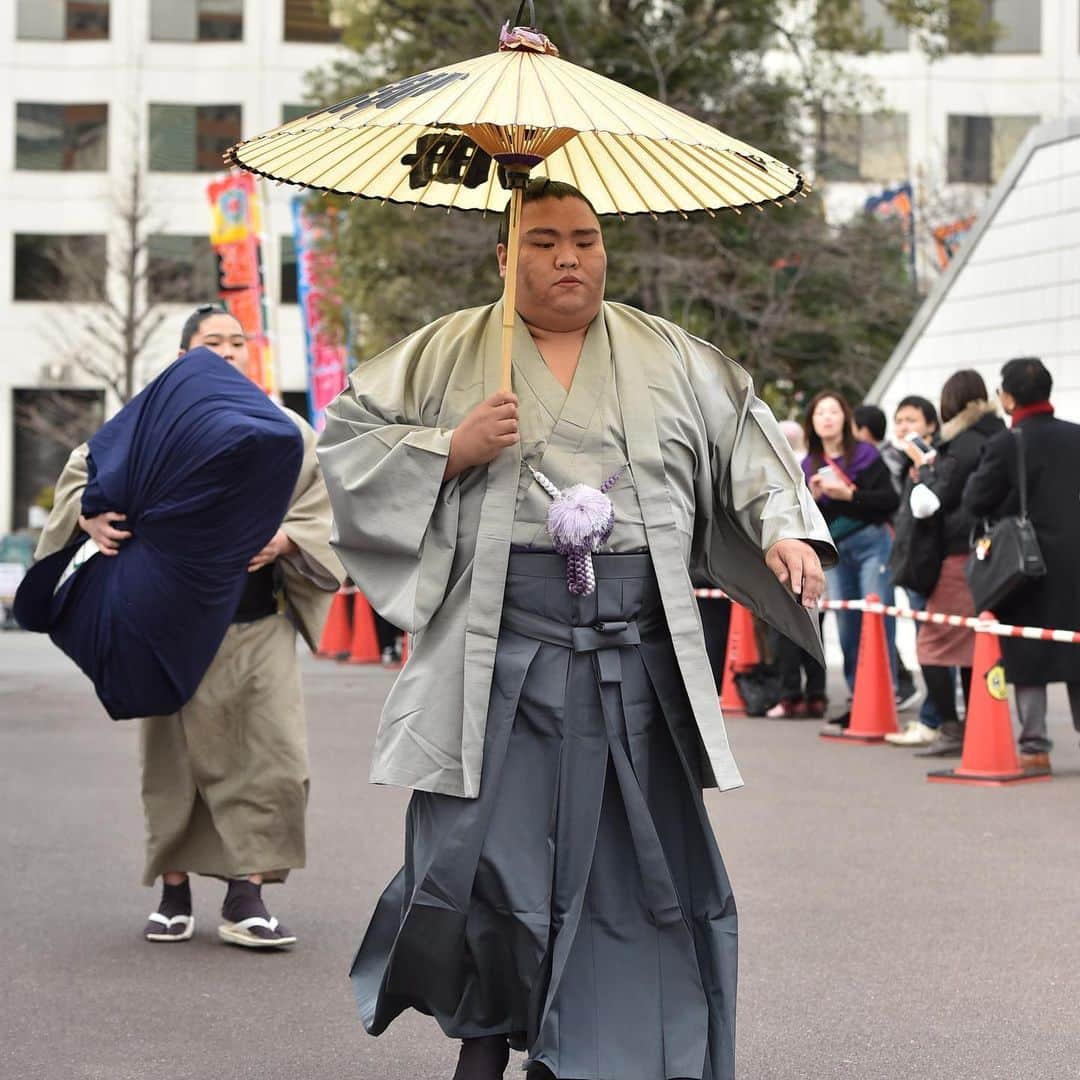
959,454
1052,451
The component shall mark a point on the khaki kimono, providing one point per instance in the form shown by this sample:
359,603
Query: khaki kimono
715,480
225,780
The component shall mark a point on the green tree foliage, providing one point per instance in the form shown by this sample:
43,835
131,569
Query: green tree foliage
783,291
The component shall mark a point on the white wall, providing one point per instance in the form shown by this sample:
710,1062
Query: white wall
128,72
1016,293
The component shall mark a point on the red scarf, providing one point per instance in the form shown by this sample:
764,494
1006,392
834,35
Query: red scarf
1022,412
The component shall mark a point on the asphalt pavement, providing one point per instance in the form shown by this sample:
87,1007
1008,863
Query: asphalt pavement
890,928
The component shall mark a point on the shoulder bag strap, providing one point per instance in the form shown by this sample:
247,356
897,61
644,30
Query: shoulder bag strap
1021,469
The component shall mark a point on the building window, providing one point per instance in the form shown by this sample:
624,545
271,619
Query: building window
310,20
858,25
48,425
192,138
981,147
62,20
70,138
294,112
287,280
51,266
873,146
1003,26
876,20
197,20
181,270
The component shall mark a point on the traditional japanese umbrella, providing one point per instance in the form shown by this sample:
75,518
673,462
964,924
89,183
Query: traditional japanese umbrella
469,136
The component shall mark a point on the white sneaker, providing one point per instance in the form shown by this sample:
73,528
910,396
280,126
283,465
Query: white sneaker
915,734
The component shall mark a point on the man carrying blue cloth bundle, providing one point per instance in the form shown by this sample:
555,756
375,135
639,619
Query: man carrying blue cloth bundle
174,531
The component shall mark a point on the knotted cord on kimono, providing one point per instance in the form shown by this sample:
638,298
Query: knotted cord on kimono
579,521
203,465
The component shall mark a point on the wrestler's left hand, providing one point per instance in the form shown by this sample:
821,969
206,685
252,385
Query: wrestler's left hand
279,545
796,563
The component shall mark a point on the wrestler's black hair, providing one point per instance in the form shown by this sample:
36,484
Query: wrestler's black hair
195,320
542,188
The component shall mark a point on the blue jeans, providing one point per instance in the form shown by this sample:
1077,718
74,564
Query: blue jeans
863,569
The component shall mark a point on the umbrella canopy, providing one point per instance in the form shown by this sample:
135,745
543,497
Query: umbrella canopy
468,136
435,138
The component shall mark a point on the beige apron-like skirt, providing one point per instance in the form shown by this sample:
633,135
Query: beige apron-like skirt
225,780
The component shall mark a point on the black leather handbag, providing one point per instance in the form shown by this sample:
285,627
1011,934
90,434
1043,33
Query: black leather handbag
1006,554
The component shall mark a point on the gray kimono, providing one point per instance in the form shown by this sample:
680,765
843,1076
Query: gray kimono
716,483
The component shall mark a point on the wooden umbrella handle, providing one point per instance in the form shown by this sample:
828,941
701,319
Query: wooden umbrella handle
513,248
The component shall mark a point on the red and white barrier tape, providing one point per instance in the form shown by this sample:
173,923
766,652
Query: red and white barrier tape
1034,633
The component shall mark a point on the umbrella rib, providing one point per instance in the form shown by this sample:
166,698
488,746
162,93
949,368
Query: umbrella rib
467,87
490,96
618,165
283,165
703,160
570,163
669,149
753,194
600,176
431,180
347,149
547,102
570,69
259,150
401,136
646,147
752,174
628,103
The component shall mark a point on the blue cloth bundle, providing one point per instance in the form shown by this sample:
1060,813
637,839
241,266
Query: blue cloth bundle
203,466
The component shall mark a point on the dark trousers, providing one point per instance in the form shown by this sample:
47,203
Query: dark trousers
792,662
942,691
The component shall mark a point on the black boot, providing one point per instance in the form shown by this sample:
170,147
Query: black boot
482,1059
949,742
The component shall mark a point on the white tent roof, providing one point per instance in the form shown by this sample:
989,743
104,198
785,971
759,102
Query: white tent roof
1013,288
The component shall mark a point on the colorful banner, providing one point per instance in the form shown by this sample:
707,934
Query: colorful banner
898,202
234,232
319,295
947,239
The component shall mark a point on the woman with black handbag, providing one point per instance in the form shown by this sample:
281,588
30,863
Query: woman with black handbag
968,420
1051,451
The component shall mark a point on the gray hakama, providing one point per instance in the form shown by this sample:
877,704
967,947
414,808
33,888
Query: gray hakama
579,904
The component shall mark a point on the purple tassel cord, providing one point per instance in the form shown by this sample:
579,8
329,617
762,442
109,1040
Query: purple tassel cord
580,522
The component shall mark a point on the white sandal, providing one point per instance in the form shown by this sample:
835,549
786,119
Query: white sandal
186,923
239,933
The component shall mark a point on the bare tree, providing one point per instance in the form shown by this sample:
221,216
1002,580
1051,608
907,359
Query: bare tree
111,315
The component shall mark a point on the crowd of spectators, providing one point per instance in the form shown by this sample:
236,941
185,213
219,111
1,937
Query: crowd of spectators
903,510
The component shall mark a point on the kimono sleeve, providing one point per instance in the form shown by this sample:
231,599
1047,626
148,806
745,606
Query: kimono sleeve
757,478
314,571
383,457
63,524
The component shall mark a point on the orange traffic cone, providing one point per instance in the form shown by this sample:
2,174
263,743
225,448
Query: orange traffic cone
335,637
989,758
741,655
365,642
873,705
